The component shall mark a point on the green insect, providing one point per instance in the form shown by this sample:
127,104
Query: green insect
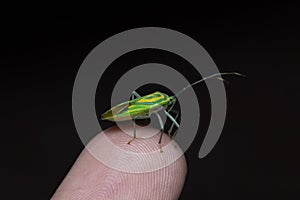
142,107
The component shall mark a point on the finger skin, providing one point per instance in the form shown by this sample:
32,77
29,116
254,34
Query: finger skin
91,179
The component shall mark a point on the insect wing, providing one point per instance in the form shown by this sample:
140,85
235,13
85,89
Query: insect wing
113,114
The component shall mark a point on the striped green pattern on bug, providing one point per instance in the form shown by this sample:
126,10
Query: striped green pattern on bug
139,108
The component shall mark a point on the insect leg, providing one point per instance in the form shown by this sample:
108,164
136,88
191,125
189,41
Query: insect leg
171,128
161,130
134,132
135,94
172,119
171,106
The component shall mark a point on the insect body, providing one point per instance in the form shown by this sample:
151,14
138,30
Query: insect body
142,107
139,108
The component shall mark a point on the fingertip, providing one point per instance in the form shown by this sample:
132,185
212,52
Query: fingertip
92,177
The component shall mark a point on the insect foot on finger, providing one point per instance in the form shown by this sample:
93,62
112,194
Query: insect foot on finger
129,142
160,149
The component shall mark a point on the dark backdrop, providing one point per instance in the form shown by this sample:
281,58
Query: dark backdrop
257,156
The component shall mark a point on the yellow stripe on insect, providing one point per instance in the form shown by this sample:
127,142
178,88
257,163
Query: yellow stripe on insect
151,98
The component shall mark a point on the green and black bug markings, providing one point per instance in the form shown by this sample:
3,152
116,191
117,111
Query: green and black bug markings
138,108
142,107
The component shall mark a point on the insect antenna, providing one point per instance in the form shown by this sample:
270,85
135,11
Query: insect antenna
208,77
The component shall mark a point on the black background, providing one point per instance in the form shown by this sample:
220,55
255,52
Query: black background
257,156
